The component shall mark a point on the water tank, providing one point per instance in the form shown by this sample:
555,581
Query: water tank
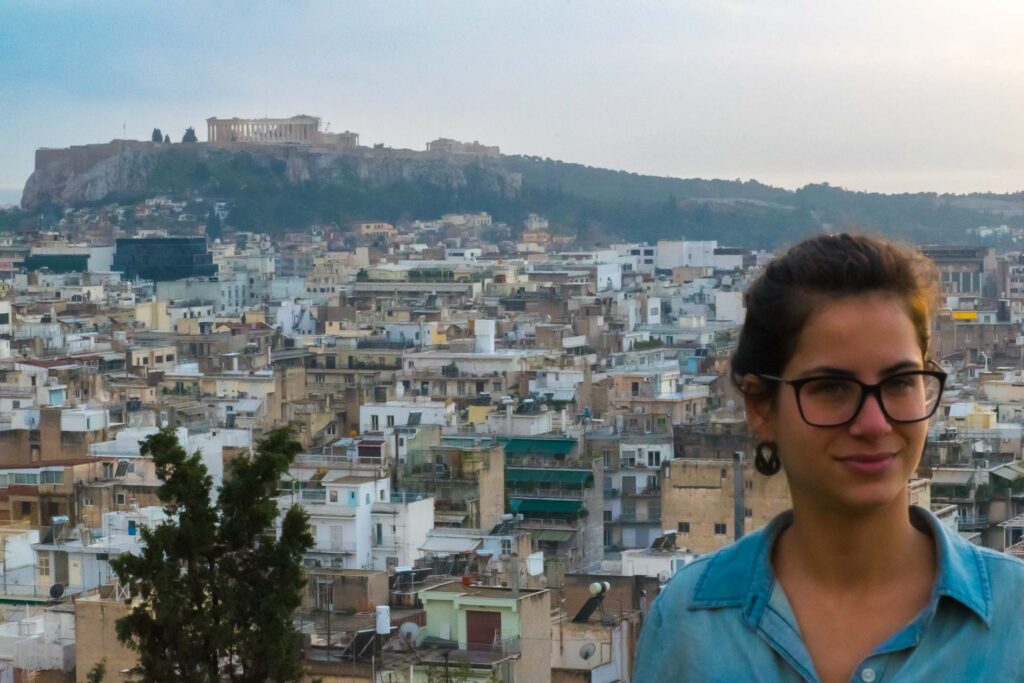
383,620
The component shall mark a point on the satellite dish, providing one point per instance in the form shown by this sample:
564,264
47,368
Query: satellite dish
410,633
587,651
664,576
56,590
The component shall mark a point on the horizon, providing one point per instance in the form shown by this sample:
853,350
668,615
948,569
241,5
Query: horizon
874,98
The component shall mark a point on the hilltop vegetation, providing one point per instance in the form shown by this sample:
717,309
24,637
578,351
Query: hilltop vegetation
273,189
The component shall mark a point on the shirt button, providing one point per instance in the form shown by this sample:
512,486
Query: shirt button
867,675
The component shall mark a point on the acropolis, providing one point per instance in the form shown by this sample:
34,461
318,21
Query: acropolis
297,129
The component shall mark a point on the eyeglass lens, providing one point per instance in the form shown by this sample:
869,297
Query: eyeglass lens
906,397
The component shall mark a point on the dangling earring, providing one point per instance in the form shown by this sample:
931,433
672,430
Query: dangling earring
766,459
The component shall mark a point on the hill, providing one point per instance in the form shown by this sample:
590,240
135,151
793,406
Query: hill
277,187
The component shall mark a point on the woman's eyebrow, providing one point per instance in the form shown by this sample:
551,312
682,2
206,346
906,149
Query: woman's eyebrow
844,372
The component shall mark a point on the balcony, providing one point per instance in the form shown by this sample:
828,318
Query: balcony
473,654
973,523
526,492
643,493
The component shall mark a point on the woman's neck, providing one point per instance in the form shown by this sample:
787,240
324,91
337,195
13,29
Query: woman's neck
834,548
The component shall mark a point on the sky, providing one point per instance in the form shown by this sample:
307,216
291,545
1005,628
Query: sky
887,95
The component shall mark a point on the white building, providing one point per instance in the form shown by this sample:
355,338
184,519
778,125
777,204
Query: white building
374,417
399,529
729,306
340,517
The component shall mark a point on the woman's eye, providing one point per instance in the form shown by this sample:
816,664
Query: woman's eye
828,388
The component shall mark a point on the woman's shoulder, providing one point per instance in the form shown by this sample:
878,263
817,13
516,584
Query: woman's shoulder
722,578
1006,572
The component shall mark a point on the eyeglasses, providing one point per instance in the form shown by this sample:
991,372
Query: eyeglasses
834,400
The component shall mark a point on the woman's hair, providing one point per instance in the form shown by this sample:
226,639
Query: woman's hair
822,269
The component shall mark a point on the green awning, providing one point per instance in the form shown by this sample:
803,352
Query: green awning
557,535
526,446
554,506
539,475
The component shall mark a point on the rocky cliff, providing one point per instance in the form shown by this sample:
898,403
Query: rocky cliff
128,169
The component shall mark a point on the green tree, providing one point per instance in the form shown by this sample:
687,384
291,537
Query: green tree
97,672
157,135
190,135
214,588
167,139
214,227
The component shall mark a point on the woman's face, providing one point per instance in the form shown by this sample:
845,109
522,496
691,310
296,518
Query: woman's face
865,464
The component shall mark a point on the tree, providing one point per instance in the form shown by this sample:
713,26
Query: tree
167,139
190,135
157,135
214,227
97,672
215,589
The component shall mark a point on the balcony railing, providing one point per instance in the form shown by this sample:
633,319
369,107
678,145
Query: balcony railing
642,493
974,522
545,493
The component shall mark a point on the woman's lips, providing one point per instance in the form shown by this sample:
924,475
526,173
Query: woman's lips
868,463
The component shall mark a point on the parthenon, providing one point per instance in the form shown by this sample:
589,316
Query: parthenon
300,128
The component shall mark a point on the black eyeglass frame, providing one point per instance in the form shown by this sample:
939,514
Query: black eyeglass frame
865,391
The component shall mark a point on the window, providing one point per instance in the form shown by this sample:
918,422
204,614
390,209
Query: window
334,495
86,501
653,458
606,458
749,484
747,512
683,527
628,459
725,473
374,423
607,515
169,357
628,511
506,546
720,529
26,508
51,477
159,359
119,498
654,511
23,478
635,388
318,378
4,478
391,420
44,566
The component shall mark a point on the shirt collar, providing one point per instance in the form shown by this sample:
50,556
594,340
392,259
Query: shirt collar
740,575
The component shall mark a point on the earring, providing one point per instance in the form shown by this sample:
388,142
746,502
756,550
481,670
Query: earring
766,459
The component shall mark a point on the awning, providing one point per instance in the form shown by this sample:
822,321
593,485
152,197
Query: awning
450,544
1011,471
539,446
952,477
556,535
555,506
449,518
539,475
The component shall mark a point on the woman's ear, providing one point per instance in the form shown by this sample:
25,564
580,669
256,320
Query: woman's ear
759,407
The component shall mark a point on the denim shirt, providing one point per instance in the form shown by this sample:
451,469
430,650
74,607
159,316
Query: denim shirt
725,618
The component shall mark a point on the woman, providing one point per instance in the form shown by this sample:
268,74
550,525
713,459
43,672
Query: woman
852,584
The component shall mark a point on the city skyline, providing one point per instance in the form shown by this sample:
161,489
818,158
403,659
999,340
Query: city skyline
911,98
